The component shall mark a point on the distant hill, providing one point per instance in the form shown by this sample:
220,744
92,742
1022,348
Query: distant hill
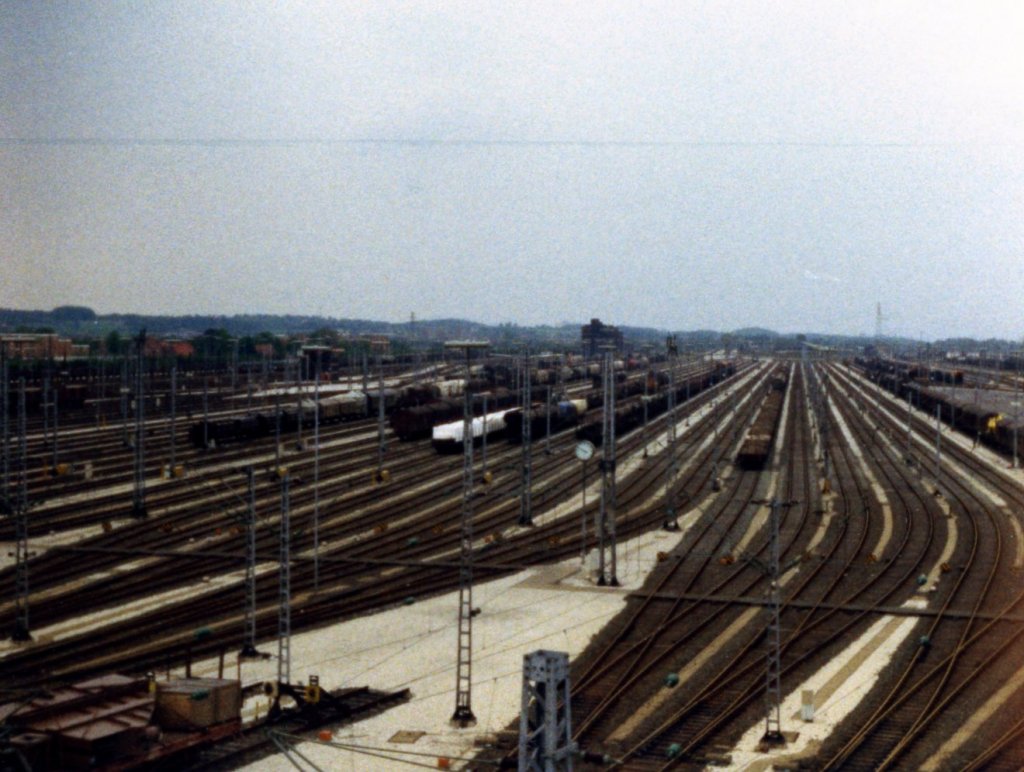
755,333
82,322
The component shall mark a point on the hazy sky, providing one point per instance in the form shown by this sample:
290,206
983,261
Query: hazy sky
681,165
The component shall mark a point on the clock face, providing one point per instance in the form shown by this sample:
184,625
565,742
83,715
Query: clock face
585,450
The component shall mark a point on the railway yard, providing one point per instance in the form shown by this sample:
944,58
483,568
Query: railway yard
809,561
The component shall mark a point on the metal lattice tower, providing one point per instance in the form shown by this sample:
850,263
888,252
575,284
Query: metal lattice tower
773,669
299,386
613,503
6,506
316,475
599,526
547,421
46,410
606,529
670,523
124,401
483,440
545,719
825,423
284,613
206,413
249,646
526,501
139,489
602,512
463,715
21,631
381,441
773,635
173,406
56,436
277,428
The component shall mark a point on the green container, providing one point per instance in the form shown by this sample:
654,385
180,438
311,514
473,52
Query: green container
672,679
674,750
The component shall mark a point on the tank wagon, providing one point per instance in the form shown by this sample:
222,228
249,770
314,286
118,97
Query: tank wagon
564,415
448,438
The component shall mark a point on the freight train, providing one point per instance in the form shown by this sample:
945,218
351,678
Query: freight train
757,446
69,396
265,423
564,415
630,413
983,414
417,421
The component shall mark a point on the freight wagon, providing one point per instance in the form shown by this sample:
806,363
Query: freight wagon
448,438
565,414
756,449
348,406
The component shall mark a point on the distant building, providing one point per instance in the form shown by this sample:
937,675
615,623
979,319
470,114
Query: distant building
158,347
378,342
597,334
40,346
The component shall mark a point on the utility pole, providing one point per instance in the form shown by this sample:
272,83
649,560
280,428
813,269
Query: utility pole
1016,407
46,410
463,715
547,430
139,489
124,401
316,475
277,426
5,504
249,646
483,444
606,525
613,500
525,502
938,445
56,441
773,660
381,440
21,623
299,385
284,612
206,413
234,364
773,638
670,523
174,395
909,455
248,387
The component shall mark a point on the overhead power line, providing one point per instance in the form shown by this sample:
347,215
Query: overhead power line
471,142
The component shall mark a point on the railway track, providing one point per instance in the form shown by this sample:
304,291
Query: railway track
959,659
344,591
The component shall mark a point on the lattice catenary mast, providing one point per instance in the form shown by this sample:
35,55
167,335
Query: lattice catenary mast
463,715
